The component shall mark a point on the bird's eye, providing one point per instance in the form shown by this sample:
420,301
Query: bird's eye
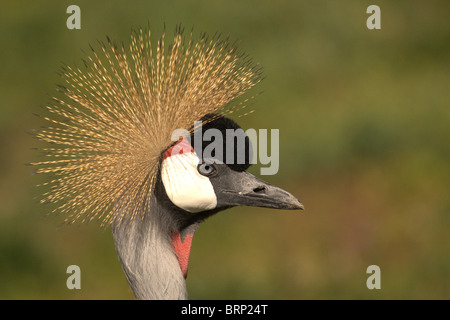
206,169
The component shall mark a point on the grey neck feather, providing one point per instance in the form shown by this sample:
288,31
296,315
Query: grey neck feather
145,250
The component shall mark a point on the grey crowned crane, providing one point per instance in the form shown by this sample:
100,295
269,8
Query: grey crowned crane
112,156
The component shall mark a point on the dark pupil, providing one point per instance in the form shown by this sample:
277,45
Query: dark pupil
206,167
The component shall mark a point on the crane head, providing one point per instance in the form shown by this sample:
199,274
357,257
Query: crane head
198,184
199,187
109,153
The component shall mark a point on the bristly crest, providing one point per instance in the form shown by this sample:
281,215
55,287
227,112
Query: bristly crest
115,118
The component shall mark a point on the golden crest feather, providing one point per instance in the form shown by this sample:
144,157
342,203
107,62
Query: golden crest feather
115,118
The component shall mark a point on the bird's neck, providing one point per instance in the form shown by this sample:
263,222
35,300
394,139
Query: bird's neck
153,256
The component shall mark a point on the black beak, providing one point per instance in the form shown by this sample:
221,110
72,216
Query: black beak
248,190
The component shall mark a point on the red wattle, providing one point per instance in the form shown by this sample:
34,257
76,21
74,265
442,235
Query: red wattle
183,250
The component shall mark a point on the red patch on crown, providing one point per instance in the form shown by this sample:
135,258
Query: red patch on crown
182,146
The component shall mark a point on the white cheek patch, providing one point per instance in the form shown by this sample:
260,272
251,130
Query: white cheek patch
185,186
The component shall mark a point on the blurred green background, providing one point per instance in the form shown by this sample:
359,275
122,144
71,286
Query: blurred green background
364,125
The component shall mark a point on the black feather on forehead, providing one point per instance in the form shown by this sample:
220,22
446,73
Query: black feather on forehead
239,157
